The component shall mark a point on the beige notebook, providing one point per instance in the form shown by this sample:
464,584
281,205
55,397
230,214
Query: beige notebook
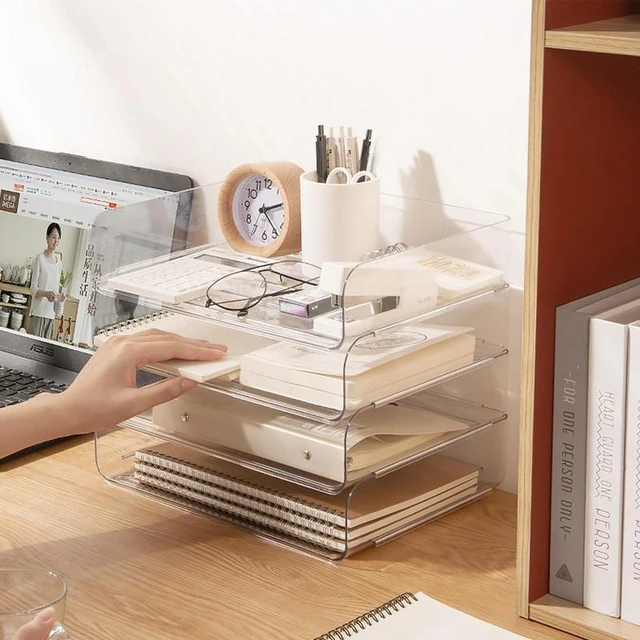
238,342
375,506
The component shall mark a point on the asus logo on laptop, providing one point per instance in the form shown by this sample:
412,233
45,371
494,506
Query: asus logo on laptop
45,351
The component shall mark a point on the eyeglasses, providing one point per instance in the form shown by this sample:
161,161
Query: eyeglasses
242,290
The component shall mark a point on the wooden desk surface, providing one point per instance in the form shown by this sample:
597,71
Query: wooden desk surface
138,569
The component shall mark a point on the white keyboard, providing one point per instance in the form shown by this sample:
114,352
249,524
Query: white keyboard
182,279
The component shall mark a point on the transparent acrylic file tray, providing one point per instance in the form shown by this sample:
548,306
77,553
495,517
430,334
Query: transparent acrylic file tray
371,512
465,250
290,396
325,457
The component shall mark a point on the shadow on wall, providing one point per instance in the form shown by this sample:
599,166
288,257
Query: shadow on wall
459,232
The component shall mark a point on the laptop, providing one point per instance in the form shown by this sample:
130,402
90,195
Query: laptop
39,189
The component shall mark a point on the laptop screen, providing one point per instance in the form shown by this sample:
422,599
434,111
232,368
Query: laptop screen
46,218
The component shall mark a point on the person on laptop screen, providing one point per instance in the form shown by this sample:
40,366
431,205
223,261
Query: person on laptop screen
45,285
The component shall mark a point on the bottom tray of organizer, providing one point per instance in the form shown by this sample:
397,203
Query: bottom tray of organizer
370,512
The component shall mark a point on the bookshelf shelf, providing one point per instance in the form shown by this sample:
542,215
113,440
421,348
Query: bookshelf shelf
569,617
620,36
583,141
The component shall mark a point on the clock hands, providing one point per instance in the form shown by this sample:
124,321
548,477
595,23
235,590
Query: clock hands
264,210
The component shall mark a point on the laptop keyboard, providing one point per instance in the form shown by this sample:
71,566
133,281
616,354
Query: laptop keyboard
16,386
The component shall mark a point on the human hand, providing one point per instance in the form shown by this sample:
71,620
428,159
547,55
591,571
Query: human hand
37,629
50,296
105,392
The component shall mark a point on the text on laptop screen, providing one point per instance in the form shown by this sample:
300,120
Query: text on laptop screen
46,217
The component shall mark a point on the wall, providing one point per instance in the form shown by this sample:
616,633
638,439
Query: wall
200,86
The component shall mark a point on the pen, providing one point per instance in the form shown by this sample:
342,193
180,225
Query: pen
321,154
334,157
364,156
350,152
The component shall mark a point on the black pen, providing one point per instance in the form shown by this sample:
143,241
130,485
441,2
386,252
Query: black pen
321,155
364,155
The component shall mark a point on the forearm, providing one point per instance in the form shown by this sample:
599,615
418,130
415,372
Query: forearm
40,419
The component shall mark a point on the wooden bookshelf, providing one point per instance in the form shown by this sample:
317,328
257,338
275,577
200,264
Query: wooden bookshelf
583,220
617,36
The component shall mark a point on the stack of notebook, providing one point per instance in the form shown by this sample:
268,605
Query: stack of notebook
271,505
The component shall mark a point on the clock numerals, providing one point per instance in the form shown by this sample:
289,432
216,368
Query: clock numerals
259,210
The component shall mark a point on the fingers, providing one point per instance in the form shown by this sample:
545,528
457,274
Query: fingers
160,392
145,353
154,335
38,628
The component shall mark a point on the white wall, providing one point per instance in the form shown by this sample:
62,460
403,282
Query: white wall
199,86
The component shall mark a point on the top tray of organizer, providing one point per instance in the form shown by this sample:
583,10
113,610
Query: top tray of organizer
433,257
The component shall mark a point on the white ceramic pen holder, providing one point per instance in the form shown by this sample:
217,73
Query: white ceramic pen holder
339,222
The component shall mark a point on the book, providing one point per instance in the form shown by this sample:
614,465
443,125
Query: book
227,368
568,466
416,616
608,334
282,371
353,516
328,450
630,592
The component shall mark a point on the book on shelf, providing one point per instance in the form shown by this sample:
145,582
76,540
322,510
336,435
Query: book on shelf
568,467
416,616
630,595
373,438
228,367
352,517
330,381
608,333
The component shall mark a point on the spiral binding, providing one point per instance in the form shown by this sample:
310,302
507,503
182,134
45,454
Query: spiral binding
127,324
368,619
392,249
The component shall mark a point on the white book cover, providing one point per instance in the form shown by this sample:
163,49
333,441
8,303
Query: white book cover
630,610
352,392
606,411
367,353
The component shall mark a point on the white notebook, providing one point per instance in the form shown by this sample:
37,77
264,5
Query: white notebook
238,343
418,617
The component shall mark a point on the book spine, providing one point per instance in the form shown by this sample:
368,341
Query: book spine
630,611
605,466
566,549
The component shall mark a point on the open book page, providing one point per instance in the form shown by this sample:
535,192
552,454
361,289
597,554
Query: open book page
426,618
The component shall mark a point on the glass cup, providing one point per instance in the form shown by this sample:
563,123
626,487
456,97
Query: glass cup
26,592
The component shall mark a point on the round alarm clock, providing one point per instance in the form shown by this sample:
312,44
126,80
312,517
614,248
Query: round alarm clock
259,208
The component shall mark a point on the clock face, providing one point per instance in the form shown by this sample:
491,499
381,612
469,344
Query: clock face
258,210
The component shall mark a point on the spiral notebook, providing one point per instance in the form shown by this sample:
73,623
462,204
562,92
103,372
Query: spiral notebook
374,509
228,368
417,617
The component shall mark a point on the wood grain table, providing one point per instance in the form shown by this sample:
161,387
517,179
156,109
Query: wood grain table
138,569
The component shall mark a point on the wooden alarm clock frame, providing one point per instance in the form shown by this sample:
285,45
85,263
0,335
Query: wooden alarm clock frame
286,176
